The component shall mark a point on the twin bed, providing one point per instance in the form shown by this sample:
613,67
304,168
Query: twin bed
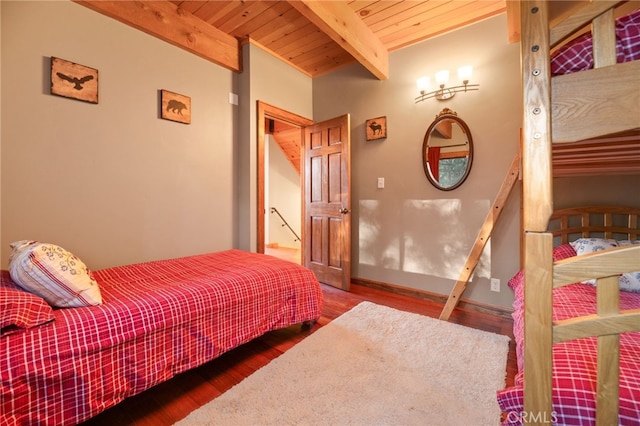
155,320
577,344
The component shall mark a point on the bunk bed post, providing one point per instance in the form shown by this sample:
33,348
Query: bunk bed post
538,206
538,328
536,80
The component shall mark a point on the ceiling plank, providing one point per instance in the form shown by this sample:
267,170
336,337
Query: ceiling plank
344,27
174,25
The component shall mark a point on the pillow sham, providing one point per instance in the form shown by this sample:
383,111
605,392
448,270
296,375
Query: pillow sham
21,310
54,274
629,281
592,245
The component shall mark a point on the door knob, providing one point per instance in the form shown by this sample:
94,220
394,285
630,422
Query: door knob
343,210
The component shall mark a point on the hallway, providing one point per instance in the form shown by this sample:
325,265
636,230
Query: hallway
286,253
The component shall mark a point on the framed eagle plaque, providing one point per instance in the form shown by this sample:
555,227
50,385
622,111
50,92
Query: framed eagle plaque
74,81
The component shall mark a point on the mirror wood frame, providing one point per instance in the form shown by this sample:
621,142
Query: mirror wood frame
446,115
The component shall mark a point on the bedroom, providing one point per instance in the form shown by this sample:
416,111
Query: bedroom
119,186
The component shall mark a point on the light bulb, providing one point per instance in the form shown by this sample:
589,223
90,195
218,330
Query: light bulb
442,77
423,84
464,73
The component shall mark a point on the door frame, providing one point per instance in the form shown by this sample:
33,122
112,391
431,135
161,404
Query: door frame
265,110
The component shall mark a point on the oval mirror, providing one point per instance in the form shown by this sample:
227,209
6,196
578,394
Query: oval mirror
447,151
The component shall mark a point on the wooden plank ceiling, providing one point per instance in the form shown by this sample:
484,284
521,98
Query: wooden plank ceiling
315,37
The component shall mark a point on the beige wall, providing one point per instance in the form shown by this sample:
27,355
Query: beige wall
111,182
411,234
267,79
596,191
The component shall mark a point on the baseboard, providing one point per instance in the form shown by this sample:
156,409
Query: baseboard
434,297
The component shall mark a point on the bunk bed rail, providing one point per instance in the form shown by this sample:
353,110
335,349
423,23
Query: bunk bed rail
610,105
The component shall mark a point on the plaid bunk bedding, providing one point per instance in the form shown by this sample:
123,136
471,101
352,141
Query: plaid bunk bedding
157,319
575,361
578,54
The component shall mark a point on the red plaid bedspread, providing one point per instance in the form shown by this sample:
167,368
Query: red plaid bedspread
574,362
158,319
578,54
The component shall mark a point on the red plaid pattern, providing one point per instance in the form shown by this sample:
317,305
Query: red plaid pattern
158,319
578,55
20,310
574,362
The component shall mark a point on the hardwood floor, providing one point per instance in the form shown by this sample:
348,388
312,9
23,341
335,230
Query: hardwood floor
171,401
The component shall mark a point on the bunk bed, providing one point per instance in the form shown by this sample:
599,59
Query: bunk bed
576,232
596,108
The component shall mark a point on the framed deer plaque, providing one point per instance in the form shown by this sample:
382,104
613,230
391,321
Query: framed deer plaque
376,128
175,107
74,81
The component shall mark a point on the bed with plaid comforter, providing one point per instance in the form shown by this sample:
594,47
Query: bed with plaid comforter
574,361
157,319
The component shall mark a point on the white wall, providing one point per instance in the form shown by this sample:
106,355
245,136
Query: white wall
285,194
111,182
411,234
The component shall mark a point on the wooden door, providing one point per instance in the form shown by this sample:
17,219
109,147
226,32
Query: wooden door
327,201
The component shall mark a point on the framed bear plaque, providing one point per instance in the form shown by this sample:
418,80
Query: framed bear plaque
175,107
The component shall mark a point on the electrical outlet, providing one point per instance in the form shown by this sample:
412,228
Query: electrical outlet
495,284
380,182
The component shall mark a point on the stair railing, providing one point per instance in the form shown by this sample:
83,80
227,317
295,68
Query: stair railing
285,223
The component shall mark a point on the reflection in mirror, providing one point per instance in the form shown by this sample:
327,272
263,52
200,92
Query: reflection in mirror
447,151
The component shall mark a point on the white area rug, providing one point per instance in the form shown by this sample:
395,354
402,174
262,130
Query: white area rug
373,365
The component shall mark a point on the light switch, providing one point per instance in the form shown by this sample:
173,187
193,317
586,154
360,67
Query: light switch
380,182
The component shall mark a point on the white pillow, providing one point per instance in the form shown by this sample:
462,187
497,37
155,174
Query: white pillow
630,282
592,245
54,274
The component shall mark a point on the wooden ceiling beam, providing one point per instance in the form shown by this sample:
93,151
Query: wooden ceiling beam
168,22
342,25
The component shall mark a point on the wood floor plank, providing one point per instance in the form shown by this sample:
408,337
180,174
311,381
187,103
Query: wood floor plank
169,402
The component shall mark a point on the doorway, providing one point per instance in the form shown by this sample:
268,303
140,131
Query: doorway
322,153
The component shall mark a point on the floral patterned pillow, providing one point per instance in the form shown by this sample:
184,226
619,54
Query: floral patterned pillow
592,245
54,274
629,281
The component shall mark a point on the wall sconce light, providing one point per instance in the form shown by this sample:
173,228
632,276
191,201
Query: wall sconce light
444,93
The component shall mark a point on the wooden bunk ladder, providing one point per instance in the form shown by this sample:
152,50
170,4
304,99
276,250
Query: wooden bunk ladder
481,240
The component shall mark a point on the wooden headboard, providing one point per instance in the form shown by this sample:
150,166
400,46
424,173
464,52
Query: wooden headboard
620,223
